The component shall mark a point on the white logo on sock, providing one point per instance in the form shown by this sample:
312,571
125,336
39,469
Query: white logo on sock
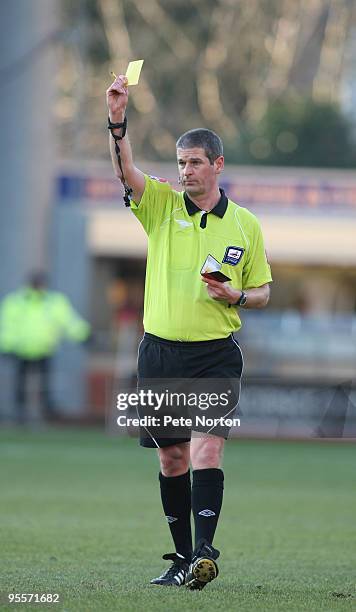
171,519
206,512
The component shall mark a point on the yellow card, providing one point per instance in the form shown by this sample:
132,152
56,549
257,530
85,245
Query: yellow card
133,72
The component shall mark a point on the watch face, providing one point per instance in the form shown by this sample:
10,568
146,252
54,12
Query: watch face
243,299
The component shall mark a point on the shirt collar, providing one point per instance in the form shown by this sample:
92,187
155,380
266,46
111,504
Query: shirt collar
219,209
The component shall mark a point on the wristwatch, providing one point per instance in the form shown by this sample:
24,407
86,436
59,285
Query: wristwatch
242,300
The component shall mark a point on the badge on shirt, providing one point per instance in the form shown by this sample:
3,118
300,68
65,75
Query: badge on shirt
233,255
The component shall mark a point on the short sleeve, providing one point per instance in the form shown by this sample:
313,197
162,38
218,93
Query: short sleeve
153,204
256,271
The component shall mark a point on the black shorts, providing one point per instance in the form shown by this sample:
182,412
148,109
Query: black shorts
188,372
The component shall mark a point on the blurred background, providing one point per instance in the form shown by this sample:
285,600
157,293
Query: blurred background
277,81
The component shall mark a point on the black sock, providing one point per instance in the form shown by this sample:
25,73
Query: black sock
176,500
207,496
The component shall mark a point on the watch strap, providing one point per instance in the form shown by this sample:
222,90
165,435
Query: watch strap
242,299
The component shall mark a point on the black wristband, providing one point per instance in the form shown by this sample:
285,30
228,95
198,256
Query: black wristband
118,126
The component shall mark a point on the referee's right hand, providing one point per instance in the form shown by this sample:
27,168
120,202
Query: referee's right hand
117,98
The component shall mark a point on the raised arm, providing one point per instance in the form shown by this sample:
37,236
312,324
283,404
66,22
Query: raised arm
117,99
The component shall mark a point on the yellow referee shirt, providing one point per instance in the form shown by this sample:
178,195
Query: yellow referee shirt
177,305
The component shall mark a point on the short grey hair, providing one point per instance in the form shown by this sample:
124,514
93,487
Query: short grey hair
204,139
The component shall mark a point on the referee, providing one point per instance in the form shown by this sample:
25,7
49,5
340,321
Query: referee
189,319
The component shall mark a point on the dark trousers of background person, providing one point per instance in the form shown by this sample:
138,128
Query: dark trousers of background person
25,368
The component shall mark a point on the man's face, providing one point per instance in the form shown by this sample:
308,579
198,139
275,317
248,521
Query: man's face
198,176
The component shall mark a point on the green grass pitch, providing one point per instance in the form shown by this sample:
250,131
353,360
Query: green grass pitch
81,517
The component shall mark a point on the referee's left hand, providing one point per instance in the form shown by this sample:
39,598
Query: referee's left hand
221,291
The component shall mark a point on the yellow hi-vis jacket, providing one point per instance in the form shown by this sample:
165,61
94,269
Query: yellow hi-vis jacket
33,322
